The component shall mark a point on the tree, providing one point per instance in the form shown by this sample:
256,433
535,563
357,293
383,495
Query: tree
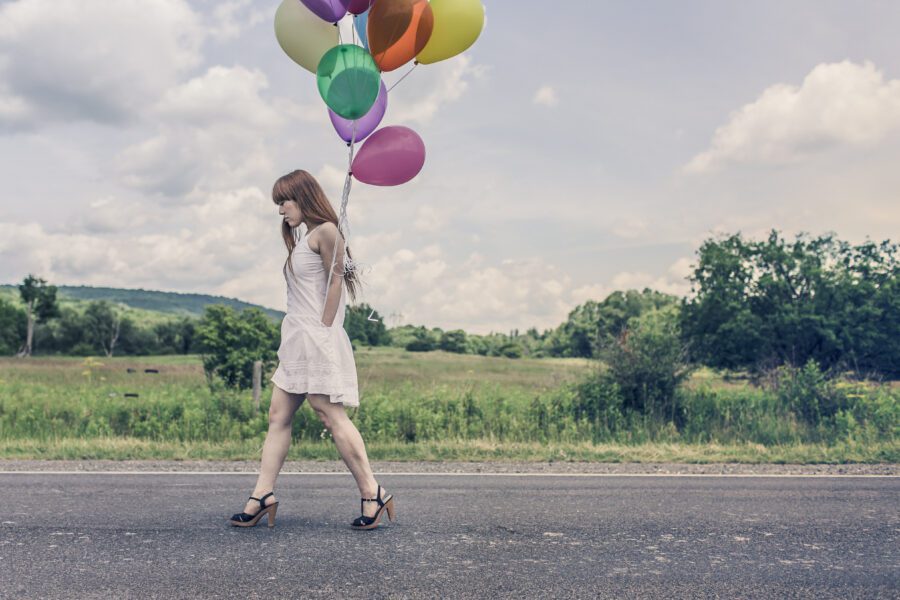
577,335
175,337
40,305
231,342
102,325
614,313
592,326
510,349
138,340
187,335
13,327
370,332
760,304
67,331
453,341
648,361
423,341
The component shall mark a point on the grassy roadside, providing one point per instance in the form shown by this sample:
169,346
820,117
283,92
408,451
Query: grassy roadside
417,407
118,448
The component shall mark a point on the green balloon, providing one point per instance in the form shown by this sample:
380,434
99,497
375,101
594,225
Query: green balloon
349,80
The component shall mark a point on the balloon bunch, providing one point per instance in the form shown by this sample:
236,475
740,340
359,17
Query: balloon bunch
392,33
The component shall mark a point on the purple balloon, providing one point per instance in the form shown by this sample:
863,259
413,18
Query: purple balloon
365,124
358,7
328,10
391,156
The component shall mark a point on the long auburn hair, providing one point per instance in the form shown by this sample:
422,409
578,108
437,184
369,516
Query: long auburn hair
303,188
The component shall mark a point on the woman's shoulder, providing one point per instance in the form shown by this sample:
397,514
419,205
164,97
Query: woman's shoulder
325,227
323,231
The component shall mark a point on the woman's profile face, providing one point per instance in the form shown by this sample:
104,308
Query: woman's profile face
290,212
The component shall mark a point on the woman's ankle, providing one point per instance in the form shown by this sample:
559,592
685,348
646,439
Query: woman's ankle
373,493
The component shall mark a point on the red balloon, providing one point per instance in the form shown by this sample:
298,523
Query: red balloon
358,7
398,30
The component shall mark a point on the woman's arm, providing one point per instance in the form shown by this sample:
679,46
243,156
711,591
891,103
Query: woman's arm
328,252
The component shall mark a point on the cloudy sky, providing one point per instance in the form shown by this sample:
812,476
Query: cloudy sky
579,147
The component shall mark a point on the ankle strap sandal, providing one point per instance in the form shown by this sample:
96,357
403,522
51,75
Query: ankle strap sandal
385,505
243,519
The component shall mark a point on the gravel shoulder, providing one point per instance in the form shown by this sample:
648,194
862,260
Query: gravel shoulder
499,467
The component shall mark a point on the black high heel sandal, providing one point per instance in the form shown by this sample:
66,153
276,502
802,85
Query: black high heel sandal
364,522
243,519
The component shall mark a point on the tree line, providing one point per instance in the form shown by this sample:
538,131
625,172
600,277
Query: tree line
754,305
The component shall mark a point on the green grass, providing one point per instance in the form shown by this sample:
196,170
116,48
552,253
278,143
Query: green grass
414,406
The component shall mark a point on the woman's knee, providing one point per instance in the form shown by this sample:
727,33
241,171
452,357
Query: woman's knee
330,414
280,416
283,407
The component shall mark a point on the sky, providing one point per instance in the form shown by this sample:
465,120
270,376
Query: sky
577,148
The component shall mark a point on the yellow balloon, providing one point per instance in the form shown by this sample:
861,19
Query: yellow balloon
457,24
302,35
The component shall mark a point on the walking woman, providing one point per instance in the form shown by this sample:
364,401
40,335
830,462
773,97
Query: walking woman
315,357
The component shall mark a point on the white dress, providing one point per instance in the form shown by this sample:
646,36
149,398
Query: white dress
314,358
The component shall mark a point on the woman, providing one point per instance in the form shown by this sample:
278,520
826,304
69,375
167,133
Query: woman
315,358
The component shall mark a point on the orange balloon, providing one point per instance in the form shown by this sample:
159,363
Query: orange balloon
398,30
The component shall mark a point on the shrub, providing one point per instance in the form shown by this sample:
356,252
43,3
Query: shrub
648,362
809,392
422,341
510,350
231,342
453,341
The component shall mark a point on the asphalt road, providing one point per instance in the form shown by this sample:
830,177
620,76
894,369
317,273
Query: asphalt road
94,535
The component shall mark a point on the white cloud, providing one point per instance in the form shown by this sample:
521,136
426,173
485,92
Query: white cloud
91,59
222,96
419,96
214,133
672,282
229,244
478,297
837,104
332,179
630,227
115,215
230,19
431,218
546,96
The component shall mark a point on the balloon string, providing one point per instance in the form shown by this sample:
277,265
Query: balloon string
343,222
404,77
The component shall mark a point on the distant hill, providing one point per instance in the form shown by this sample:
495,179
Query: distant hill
164,302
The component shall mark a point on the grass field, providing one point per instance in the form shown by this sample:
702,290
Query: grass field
414,406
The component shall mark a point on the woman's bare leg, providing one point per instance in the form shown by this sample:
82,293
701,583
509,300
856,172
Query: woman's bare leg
275,448
350,445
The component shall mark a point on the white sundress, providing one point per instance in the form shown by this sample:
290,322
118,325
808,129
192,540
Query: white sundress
314,358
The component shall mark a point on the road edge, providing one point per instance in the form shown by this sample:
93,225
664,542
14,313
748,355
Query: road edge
453,467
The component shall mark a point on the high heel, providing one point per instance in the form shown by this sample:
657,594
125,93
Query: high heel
385,505
243,519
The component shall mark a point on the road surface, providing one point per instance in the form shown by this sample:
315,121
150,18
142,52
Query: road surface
153,535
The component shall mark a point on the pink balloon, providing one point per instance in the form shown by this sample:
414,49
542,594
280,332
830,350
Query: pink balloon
391,156
358,7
